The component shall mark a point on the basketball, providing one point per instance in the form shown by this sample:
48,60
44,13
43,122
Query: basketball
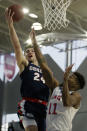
18,13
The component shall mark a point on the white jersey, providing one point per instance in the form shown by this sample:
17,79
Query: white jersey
59,118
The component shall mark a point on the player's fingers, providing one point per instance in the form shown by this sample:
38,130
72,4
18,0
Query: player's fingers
9,12
6,12
69,68
32,31
34,34
12,14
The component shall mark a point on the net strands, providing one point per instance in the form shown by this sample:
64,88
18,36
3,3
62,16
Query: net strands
55,13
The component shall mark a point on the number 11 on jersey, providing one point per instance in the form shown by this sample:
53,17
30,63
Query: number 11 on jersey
52,108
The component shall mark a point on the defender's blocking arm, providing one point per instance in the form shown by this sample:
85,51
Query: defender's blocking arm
72,99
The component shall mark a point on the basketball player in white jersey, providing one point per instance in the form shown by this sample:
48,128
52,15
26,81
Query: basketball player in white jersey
65,100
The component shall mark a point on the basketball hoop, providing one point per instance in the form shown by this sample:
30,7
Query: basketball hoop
55,13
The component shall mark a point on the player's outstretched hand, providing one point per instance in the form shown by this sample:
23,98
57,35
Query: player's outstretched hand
33,36
9,16
67,72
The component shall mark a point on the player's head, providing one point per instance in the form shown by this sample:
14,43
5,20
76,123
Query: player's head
29,53
76,81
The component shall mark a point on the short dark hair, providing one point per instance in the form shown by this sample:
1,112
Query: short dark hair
81,79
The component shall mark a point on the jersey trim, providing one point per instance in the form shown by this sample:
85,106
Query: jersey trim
35,100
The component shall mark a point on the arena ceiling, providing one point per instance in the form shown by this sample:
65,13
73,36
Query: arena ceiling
77,28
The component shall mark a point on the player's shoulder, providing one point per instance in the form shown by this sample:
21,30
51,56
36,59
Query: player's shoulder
76,94
56,90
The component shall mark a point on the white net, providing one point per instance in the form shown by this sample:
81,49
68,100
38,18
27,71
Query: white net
55,13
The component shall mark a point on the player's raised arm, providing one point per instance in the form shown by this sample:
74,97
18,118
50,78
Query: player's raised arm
21,61
47,73
70,84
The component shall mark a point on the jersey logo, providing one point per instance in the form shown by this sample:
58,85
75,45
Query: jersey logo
35,69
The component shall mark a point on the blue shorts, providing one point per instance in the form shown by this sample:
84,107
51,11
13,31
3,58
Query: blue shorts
33,111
